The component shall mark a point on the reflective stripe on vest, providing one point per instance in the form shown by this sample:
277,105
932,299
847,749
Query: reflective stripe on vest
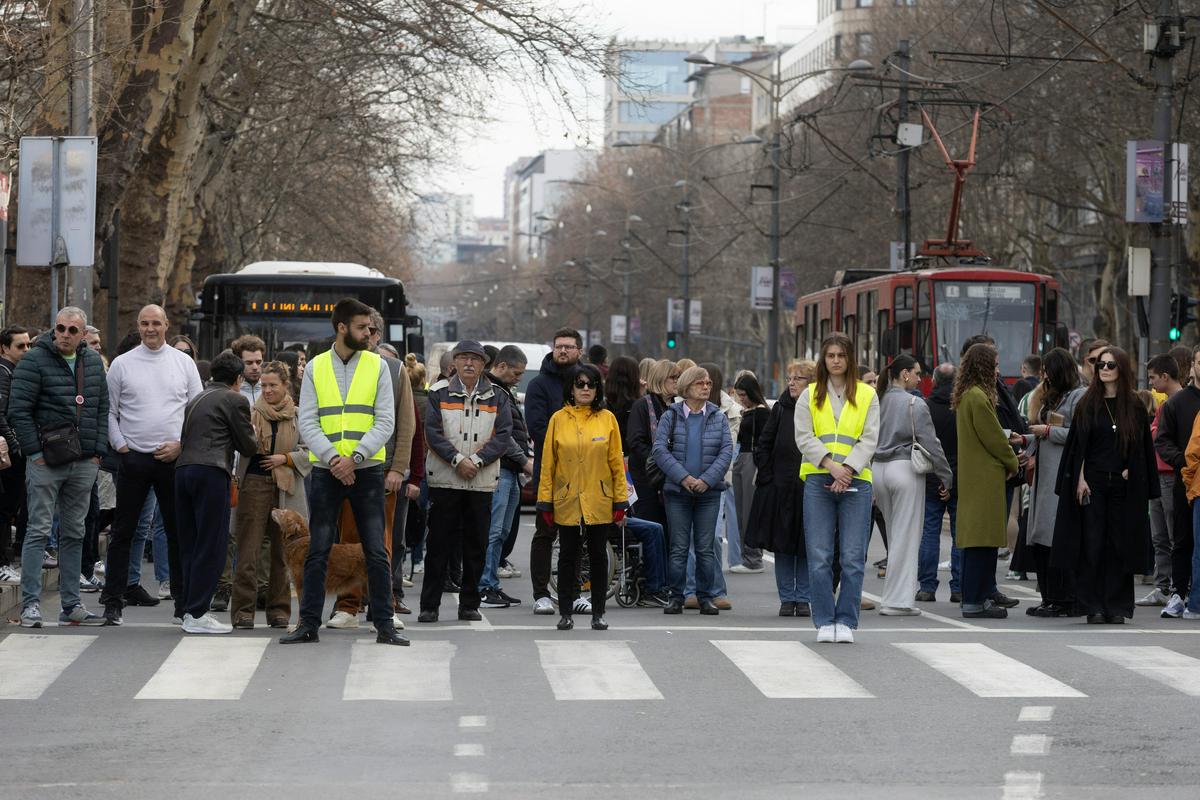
345,421
839,435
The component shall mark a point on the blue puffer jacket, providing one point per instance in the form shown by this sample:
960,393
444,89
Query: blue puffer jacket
717,448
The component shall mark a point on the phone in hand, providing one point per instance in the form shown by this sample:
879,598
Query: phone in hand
1087,499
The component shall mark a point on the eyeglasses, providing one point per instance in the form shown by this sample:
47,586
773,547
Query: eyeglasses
23,346
566,347
73,330
372,331
702,383
187,352
584,385
796,378
1106,364
1091,359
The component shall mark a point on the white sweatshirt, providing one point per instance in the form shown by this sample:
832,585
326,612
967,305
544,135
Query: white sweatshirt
147,393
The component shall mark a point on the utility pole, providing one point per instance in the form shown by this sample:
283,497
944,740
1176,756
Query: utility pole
79,278
685,215
903,209
1169,42
774,235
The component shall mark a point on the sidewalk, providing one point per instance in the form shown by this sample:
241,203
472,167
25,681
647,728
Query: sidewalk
10,594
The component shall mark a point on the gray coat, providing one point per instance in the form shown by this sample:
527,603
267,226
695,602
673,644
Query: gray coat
899,414
1043,502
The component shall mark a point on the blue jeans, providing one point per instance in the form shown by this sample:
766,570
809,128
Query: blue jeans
654,547
1193,601
727,521
931,543
692,520
505,501
719,585
324,506
847,517
791,578
150,526
69,487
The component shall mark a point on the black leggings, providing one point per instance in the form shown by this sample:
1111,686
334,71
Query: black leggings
568,564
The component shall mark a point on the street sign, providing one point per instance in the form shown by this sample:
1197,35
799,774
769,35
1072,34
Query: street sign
4,194
1138,259
66,165
695,318
676,315
617,329
761,293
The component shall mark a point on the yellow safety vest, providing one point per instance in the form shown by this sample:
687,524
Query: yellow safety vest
839,435
345,421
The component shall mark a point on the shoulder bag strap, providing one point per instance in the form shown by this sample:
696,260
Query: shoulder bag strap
911,420
80,361
188,414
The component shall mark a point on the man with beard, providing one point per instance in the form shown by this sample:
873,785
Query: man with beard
346,417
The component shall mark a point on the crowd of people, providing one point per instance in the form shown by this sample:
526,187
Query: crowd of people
358,470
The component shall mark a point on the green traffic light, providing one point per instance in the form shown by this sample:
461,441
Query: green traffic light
1174,334
671,344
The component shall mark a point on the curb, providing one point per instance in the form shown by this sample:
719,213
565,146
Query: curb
10,594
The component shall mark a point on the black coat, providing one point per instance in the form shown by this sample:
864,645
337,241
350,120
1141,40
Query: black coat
776,521
947,433
1143,487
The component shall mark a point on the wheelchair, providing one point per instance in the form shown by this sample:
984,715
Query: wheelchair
622,574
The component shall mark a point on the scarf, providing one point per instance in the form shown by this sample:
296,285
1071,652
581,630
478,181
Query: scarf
286,436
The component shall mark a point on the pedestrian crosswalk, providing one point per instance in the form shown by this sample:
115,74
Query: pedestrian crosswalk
594,669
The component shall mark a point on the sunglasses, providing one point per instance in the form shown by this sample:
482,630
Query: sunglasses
73,330
23,346
584,385
1106,364
372,331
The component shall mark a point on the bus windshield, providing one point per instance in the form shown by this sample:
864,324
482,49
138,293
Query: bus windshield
1003,311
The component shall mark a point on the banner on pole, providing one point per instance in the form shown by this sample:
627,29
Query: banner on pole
760,288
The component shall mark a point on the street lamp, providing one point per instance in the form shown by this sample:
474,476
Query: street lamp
777,87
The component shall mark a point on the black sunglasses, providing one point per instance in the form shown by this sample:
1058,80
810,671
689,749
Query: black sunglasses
1106,364
73,330
584,385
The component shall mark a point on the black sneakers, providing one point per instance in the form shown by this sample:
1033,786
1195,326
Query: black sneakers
136,595
112,615
494,598
508,598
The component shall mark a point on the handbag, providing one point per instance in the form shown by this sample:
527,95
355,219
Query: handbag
60,443
654,473
922,461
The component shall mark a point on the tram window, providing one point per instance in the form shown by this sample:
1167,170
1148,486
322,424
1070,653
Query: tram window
902,315
924,346
825,323
867,351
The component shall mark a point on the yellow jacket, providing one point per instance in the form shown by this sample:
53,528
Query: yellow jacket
1191,471
582,470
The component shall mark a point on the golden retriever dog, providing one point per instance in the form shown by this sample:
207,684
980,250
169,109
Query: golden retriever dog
347,565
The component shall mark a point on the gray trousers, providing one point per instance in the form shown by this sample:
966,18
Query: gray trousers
1162,524
743,495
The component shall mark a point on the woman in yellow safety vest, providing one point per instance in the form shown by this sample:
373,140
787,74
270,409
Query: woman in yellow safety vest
837,426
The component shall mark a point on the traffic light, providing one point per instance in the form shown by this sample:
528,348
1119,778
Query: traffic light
1182,315
451,330
672,340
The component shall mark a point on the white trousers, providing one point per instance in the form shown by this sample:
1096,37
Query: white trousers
900,495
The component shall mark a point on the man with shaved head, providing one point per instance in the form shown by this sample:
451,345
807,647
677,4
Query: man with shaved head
148,389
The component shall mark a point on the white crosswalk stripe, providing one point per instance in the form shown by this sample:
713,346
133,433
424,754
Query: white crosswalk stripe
29,664
217,668
789,670
595,671
417,673
986,672
1173,669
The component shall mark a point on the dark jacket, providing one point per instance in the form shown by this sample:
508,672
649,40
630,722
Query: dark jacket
1175,426
776,520
641,437
518,452
216,422
1143,486
1024,386
947,434
543,397
1010,417
670,448
6,373
43,395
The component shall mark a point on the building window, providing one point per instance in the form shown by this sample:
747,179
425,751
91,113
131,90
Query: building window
864,43
864,3
653,113
906,2
837,46
654,71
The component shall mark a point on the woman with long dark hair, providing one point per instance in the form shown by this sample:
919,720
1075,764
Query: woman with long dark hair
622,388
1051,411
837,427
904,424
749,395
985,462
1107,479
662,379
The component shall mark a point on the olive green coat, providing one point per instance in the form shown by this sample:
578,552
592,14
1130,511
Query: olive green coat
984,458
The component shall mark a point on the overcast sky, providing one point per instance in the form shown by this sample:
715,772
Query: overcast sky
528,122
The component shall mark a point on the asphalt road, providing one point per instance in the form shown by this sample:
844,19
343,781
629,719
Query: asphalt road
742,705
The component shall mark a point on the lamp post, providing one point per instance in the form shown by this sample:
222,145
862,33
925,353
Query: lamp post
777,87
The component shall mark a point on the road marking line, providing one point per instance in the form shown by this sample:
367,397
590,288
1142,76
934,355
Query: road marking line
419,673
789,670
29,663
217,668
987,673
1015,587
468,783
595,671
956,623
468,749
1030,744
1036,714
472,722
1022,786
1176,670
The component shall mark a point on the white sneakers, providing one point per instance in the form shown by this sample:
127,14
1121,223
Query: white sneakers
896,611
1174,608
396,622
543,606
1156,597
839,633
164,590
343,620
206,624
742,569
